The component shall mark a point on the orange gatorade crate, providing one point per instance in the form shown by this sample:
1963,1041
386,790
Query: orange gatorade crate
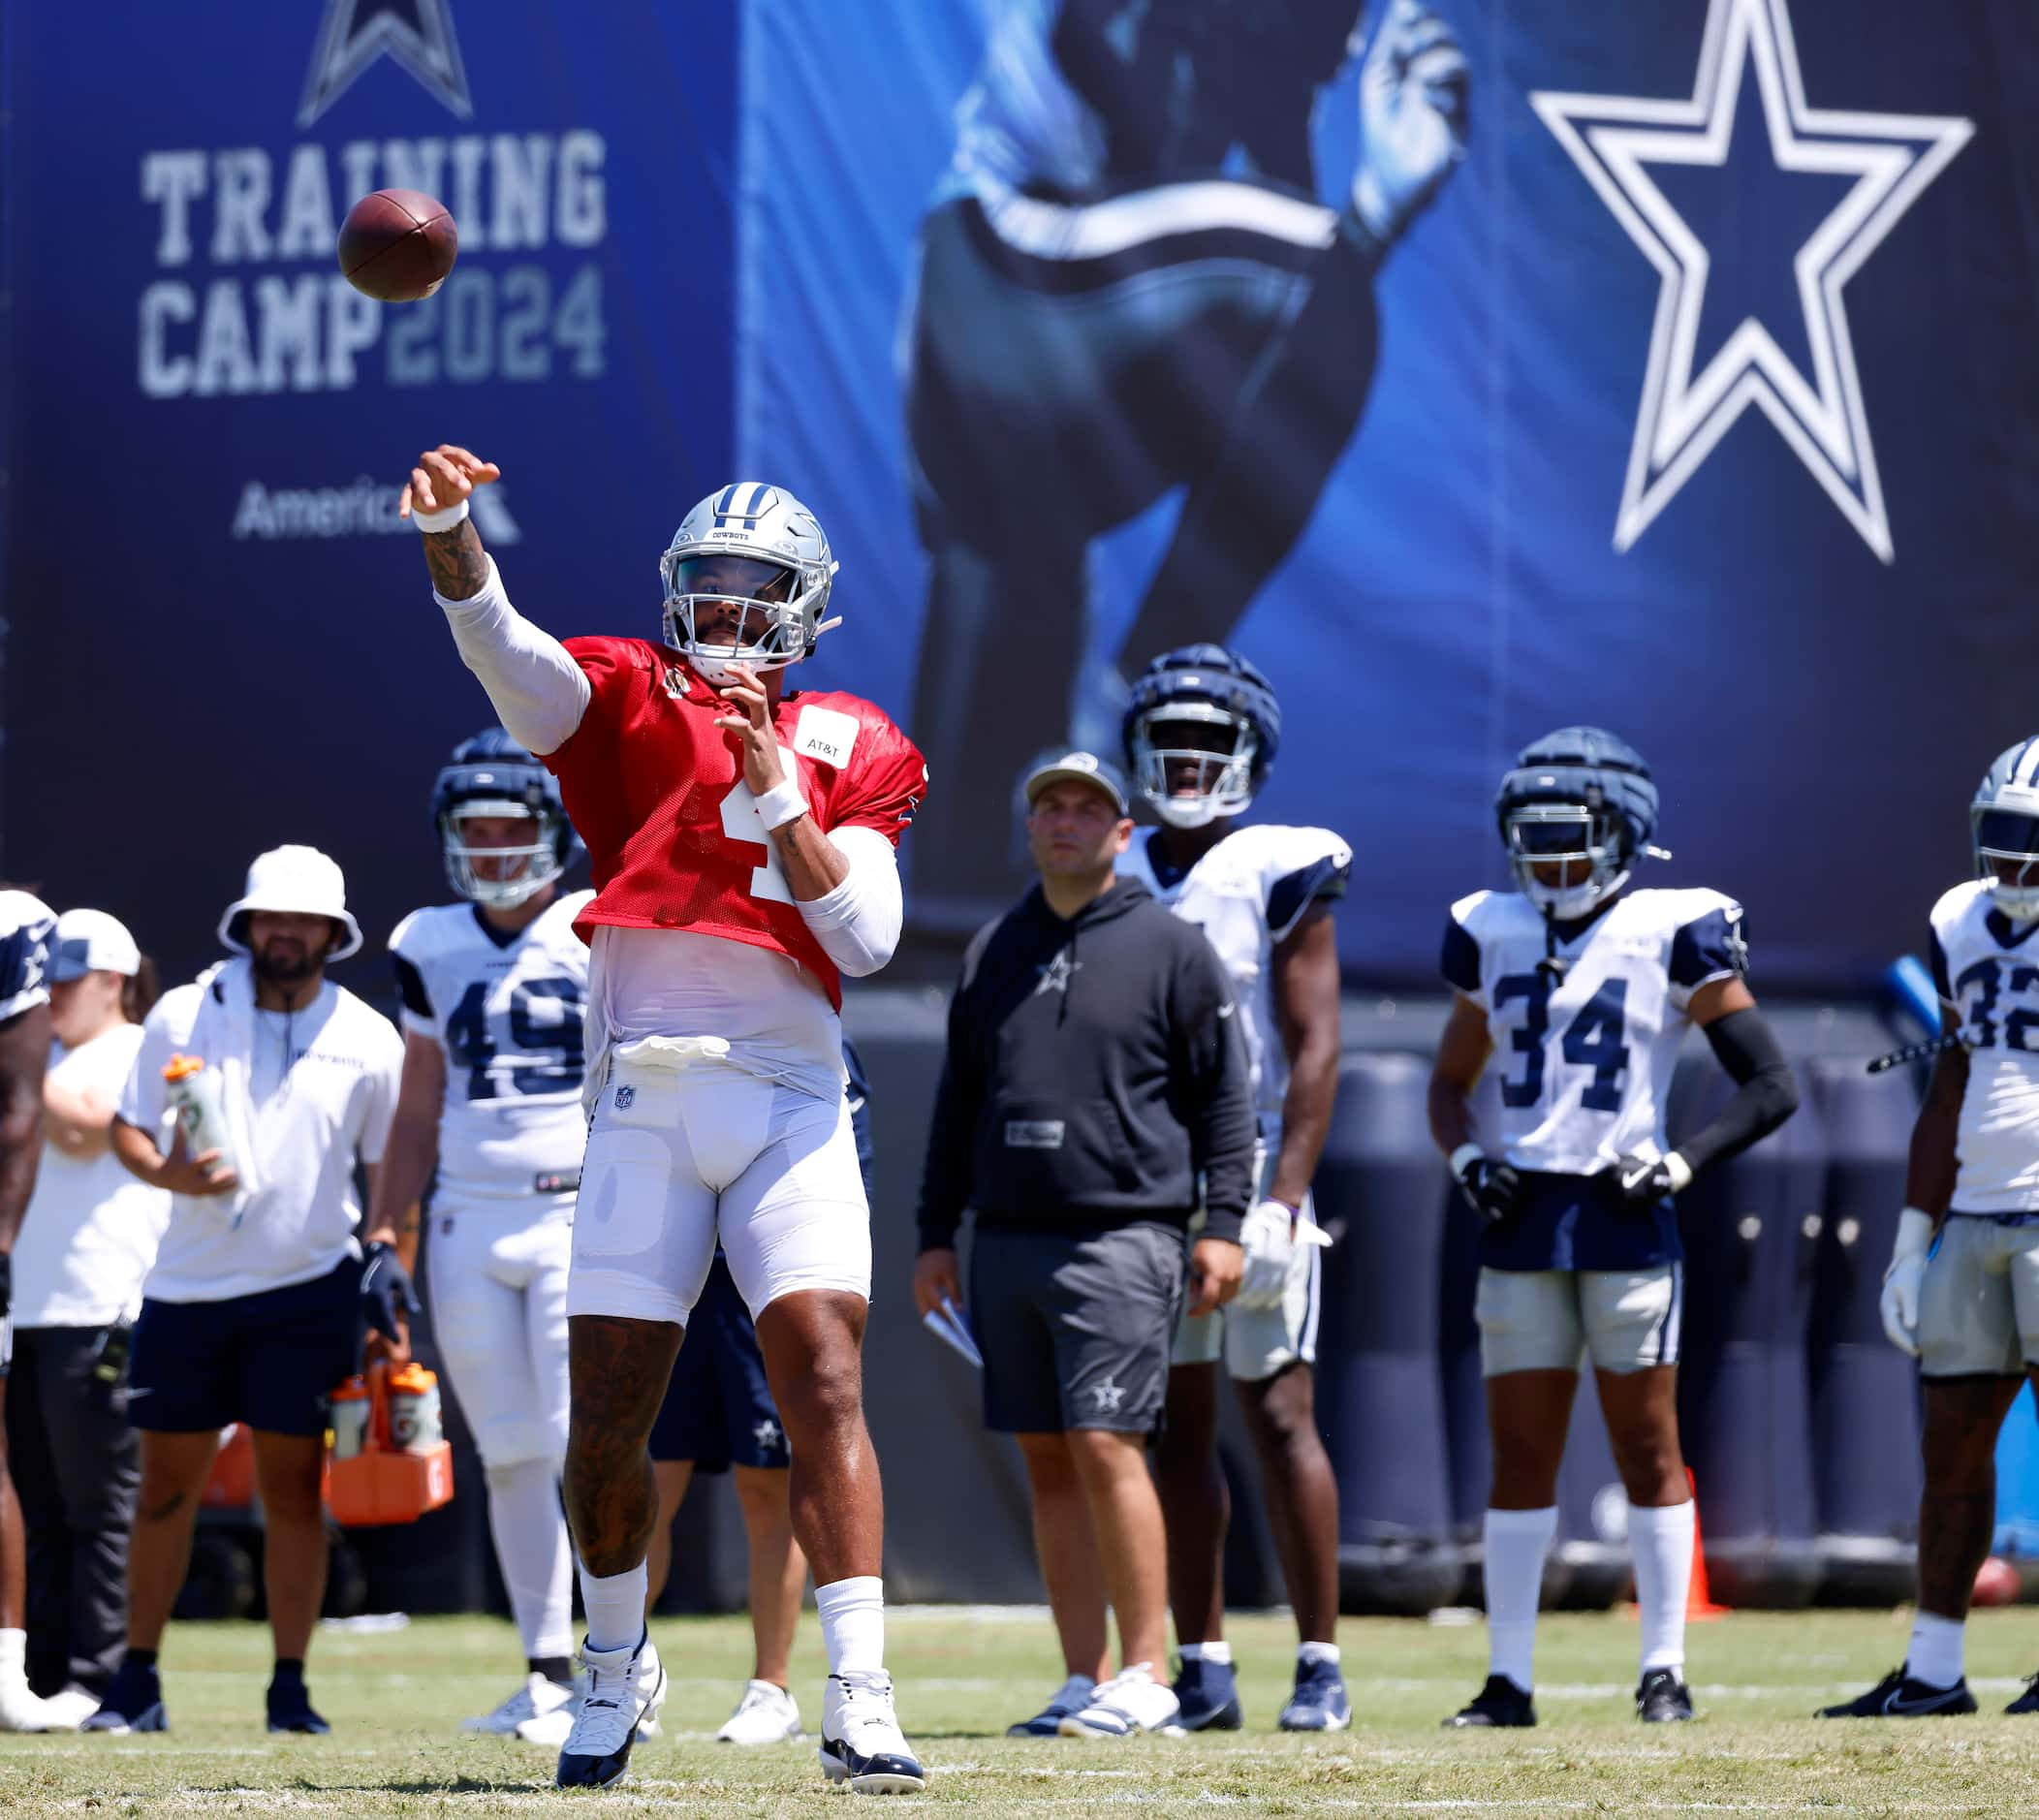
384,1483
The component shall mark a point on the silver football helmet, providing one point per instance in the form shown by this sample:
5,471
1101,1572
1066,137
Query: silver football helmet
2004,818
746,578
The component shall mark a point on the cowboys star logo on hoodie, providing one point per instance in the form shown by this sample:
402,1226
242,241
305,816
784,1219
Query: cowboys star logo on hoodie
1056,974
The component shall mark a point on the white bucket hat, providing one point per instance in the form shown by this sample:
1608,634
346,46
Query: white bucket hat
295,881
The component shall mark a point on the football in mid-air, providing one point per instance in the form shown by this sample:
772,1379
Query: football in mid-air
397,245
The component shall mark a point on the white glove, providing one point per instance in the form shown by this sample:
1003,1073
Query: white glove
1412,118
1268,1238
1899,1301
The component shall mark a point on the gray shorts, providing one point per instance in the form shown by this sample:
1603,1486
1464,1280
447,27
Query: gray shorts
1979,1306
1255,1343
1075,1330
1553,1320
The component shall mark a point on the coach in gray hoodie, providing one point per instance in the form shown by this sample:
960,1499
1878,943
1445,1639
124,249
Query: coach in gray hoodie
1094,1077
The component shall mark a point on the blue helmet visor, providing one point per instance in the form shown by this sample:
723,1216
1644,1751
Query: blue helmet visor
2006,831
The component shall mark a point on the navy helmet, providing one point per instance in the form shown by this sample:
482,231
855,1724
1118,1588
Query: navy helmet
1201,730
492,774
1582,798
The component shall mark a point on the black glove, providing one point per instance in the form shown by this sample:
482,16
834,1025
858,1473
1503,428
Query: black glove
1644,1182
386,1288
1494,1189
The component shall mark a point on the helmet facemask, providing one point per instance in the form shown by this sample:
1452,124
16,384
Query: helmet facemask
1193,761
1590,845
723,609
501,877
2007,856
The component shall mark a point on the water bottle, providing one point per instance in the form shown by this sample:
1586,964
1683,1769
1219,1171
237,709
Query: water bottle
414,1408
194,1092
350,1417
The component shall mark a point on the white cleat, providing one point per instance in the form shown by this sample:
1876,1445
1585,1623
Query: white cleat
624,1687
23,1711
68,1710
861,1740
1131,1702
767,1715
534,1700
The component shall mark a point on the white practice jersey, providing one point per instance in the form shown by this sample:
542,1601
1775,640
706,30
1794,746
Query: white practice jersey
1586,1055
26,924
508,1014
1246,895
1987,968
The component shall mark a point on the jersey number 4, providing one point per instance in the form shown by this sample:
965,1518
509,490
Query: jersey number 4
1593,1039
741,820
544,1035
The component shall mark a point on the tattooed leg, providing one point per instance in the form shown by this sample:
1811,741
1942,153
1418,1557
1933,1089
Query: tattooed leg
618,1369
812,1341
1957,1508
458,564
174,1469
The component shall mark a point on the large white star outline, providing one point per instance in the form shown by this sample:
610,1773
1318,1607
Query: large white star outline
419,34
1891,156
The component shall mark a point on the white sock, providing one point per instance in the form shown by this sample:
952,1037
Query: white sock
13,1658
1218,1653
853,1625
616,1607
1313,1653
1661,1545
1935,1653
532,1550
1516,1542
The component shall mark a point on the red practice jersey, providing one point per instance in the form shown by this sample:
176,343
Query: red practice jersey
674,837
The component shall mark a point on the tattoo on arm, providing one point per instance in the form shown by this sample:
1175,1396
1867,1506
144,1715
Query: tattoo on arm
458,564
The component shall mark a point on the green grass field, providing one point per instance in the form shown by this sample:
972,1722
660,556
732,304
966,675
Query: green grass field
394,1698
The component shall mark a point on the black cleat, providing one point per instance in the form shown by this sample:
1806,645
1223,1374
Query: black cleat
289,1709
2028,1701
133,1703
1499,1703
1662,1697
1897,1696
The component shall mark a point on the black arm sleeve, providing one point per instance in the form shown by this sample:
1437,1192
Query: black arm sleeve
409,987
952,1134
1766,1093
1211,1056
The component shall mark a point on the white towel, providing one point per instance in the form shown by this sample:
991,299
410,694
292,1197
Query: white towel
223,1038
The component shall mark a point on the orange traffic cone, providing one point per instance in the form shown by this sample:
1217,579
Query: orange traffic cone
1699,1602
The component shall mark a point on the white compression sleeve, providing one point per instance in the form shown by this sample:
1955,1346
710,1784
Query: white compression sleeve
538,691
858,922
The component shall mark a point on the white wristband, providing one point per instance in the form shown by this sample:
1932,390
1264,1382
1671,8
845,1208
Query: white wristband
781,804
454,515
1464,1157
1914,1234
1680,1170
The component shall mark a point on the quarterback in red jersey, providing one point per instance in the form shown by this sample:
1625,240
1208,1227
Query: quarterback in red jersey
743,838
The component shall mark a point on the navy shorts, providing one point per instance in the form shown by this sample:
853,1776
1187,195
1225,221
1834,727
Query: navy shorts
718,1410
270,1359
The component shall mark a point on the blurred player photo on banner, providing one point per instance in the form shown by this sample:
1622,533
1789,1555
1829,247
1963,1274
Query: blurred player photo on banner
1127,278
1468,369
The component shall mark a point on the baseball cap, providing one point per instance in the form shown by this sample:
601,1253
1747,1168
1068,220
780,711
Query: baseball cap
1080,766
91,941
